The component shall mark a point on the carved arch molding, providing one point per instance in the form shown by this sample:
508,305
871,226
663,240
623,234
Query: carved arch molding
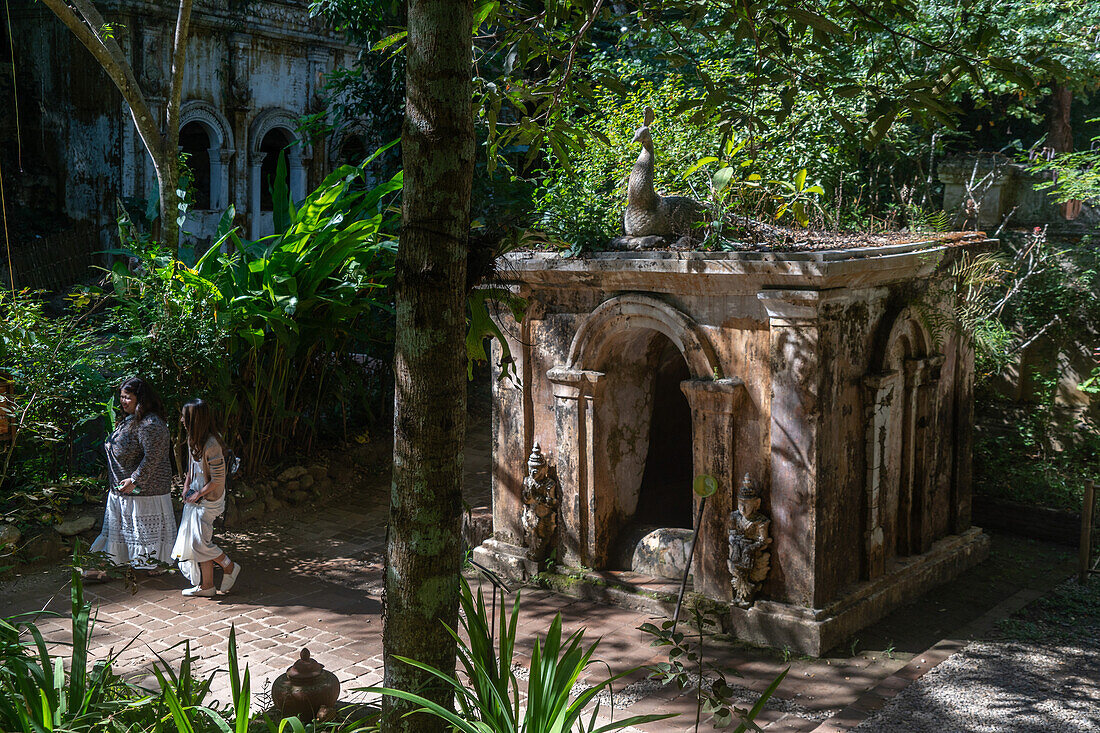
597,497
216,126
635,311
221,147
275,119
901,443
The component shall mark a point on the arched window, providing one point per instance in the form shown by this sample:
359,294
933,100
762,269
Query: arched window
352,151
273,145
195,144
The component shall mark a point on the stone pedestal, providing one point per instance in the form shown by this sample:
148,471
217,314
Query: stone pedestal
810,375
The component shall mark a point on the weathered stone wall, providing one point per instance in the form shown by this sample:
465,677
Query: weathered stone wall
814,376
250,69
74,102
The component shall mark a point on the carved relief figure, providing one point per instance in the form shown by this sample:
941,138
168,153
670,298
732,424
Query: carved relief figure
540,506
152,75
750,538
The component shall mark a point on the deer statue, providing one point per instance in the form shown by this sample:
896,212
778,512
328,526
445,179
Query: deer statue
650,215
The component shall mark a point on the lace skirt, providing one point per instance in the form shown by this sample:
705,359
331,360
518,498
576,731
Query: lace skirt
137,530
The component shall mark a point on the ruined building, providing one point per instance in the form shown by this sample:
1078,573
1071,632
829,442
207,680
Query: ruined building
253,69
832,423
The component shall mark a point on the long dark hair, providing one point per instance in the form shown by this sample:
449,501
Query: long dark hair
198,422
148,401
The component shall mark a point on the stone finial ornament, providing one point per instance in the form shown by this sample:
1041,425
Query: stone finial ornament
750,537
540,506
651,220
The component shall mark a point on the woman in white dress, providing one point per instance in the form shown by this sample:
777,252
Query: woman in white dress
139,525
204,501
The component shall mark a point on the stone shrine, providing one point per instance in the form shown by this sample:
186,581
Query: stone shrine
812,377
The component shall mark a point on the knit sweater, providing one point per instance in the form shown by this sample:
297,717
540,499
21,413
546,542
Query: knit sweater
140,452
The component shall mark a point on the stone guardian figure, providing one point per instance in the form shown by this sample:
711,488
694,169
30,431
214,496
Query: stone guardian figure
750,538
540,506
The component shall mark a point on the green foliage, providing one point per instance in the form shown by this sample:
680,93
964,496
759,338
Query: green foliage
1061,616
582,194
1072,176
55,367
166,331
255,328
1041,307
40,692
489,699
482,326
33,497
687,667
864,95
1019,461
758,171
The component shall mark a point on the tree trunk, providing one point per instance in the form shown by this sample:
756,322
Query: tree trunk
167,181
424,547
1059,130
1060,137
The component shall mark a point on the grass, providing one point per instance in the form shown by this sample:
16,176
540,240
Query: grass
1068,613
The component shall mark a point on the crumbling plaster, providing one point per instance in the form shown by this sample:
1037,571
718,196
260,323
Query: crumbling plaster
812,374
244,63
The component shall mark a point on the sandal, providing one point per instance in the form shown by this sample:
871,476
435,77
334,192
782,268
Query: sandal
90,577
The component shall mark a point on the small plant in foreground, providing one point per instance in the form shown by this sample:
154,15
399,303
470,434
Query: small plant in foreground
68,693
490,700
686,667
36,692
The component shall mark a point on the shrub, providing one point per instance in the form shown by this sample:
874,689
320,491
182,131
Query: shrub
60,387
263,328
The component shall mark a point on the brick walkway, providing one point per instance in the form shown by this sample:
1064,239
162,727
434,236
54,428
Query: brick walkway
313,579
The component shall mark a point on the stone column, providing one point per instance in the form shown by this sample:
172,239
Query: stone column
238,100
714,405
881,389
795,354
296,174
255,183
575,396
922,381
132,152
513,435
319,61
151,61
962,432
219,178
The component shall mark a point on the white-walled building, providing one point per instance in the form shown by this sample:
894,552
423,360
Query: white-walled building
253,70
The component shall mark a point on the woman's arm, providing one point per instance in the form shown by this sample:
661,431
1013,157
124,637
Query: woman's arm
215,463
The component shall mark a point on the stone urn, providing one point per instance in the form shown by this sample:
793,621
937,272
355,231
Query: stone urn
307,689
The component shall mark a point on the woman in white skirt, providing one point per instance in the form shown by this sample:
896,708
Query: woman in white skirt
204,501
139,524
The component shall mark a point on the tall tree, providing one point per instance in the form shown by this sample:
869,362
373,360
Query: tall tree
160,137
424,550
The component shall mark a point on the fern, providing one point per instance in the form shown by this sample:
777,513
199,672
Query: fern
964,304
922,220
